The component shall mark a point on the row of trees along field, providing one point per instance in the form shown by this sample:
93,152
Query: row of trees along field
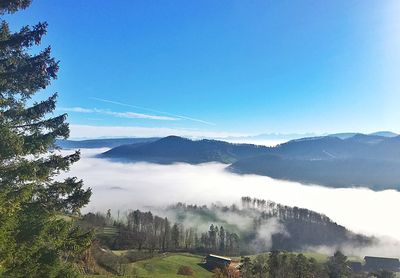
274,264
278,264
36,240
145,231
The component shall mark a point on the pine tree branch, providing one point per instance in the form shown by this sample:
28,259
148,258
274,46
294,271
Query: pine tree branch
26,37
11,6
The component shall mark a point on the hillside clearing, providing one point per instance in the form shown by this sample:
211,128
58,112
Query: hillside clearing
165,265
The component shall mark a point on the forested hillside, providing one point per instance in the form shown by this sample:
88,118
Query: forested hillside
174,149
377,175
362,160
256,226
358,160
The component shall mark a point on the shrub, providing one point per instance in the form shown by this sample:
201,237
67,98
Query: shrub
185,270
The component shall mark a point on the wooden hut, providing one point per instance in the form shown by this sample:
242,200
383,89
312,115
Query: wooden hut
377,263
214,261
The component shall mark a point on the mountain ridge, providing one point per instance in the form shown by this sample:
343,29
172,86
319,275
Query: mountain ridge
172,149
361,160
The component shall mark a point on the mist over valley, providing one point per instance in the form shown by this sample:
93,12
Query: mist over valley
122,186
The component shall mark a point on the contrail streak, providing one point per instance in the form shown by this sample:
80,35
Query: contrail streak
152,110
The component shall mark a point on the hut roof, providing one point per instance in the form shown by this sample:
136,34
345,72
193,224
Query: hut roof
219,257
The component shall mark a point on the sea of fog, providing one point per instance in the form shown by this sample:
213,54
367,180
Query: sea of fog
128,186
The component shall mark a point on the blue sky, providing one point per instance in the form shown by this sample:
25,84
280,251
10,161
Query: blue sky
223,67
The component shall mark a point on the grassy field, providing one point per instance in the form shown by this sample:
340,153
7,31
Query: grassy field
168,265
164,266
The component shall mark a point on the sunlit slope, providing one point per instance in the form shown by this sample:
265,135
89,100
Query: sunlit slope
164,266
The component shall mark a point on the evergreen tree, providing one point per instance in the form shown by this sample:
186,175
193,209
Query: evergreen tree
175,236
222,240
260,266
212,234
301,267
338,266
273,264
246,268
383,274
167,235
34,240
317,270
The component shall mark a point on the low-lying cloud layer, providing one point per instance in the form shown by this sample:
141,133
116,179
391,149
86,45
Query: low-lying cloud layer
130,186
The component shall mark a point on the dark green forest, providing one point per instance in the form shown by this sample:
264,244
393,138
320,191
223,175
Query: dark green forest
35,238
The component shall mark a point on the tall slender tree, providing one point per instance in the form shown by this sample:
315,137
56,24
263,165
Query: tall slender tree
175,236
222,240
338,266
34,240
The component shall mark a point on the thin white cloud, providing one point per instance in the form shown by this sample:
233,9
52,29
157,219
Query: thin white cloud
76,109
133,115
153,110
95,131
130,115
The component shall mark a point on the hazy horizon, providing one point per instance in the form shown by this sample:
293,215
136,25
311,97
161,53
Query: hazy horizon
259,138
